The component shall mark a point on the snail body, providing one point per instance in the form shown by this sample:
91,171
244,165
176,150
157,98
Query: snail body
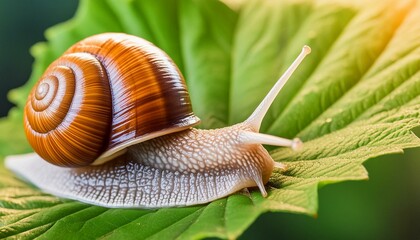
133,145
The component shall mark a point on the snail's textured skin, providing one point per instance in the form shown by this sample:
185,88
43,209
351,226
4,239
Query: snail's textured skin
179,169
103,94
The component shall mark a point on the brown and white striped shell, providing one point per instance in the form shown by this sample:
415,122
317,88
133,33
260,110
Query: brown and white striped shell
105,93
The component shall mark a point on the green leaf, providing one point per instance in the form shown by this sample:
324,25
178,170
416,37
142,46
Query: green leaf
357,96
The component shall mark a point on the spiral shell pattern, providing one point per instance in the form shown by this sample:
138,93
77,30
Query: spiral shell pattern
62,128
105,93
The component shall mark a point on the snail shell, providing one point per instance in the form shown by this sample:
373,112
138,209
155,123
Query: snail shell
102,95
116,96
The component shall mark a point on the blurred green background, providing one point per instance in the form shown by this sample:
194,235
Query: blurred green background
385,207
22,24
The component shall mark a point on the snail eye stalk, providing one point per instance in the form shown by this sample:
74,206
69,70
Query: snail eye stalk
257,116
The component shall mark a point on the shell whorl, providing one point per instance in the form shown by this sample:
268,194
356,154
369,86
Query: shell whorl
105,93
67,117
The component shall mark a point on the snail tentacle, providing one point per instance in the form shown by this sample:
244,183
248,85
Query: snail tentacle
257,116
248,137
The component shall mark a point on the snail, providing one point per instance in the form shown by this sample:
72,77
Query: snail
113,121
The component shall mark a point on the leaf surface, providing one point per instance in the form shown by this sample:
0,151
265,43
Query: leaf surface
357,96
